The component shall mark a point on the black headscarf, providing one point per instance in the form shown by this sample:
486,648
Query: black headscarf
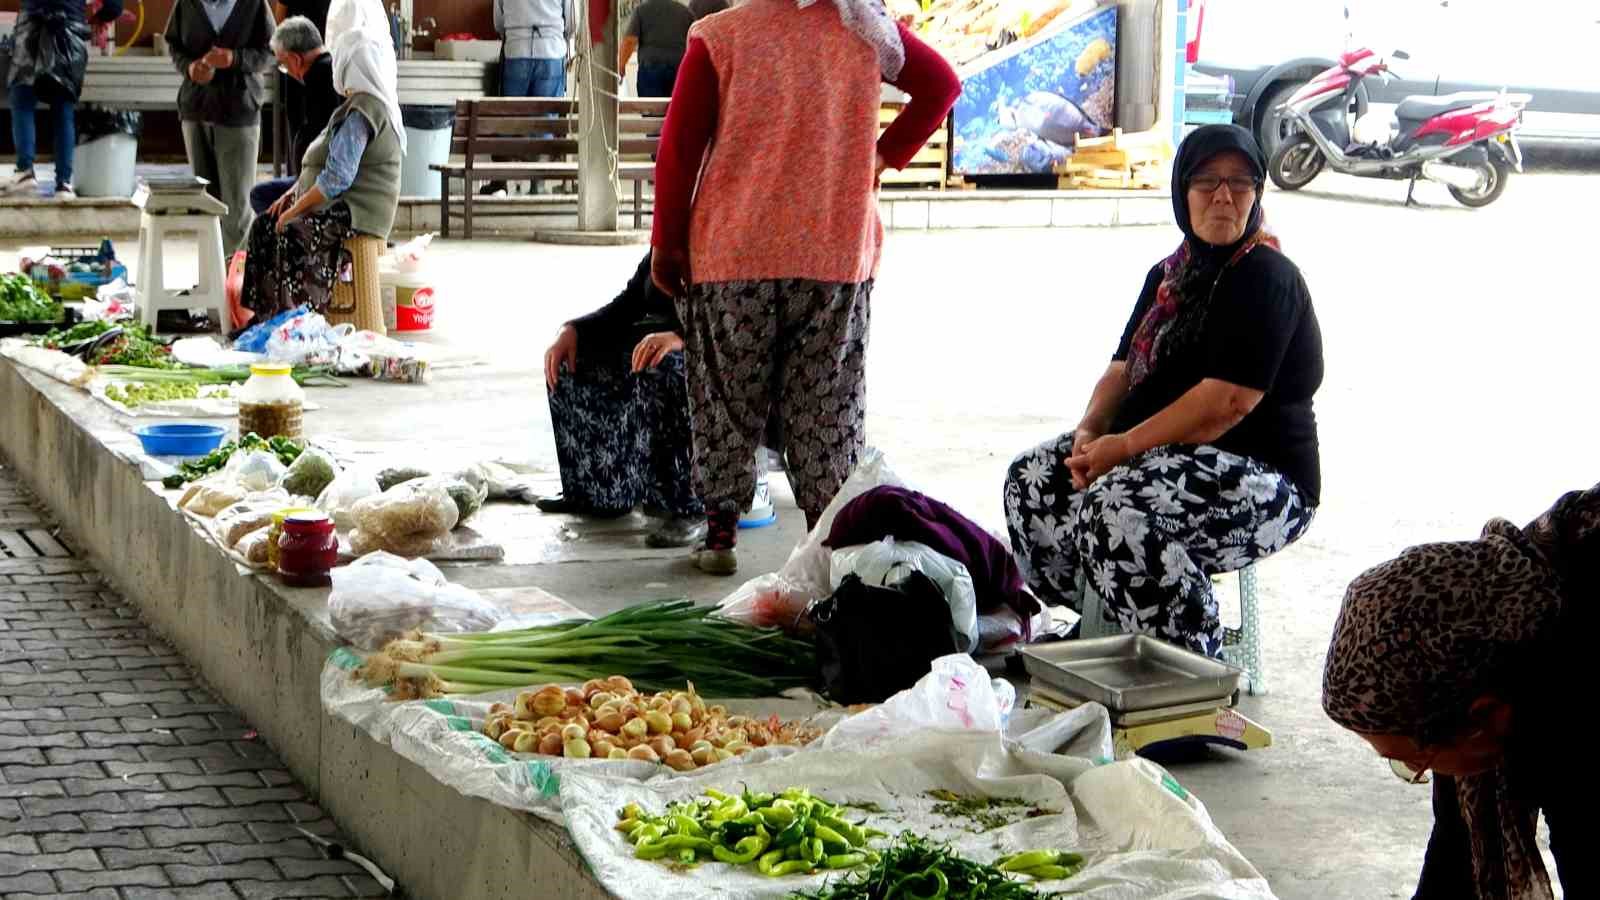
1198,149
1179,313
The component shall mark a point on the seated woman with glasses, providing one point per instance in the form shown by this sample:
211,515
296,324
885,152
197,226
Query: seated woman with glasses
1198,452
1461,659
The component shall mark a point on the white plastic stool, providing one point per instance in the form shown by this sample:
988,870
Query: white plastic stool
151,293
1241,646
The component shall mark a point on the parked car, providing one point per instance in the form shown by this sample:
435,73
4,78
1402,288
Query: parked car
1270,48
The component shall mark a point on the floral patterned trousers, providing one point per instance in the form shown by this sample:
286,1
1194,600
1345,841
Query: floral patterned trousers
1149,534
295,267
622,439
796,346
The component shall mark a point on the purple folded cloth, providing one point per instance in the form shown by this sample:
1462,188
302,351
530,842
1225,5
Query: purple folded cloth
906,515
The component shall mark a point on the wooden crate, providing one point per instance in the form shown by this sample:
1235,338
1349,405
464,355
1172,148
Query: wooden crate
930,168
1118,161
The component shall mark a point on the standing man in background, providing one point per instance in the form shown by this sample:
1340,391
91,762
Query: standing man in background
50,56
659,31
221,47
537,37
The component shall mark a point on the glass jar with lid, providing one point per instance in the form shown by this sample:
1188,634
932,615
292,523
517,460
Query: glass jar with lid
270,403
308,549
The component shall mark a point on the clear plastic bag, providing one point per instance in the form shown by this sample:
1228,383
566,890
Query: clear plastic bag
246,516
888,561
307,339
211,495
381,596
348,488
256,470
805,577
957,694
310,473
410,519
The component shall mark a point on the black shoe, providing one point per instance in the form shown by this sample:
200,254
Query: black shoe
679,531
561,505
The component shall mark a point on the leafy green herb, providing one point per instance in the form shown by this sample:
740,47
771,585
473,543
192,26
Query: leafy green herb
22,300
286,450
136,346
915,867
988,813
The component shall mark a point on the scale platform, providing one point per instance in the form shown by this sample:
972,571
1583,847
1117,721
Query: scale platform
1155,692
176,195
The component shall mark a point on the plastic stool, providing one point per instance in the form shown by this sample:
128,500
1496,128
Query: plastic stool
1241,646
360,301
210,294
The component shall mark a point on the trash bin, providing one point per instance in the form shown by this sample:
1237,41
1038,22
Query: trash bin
108,148
427,144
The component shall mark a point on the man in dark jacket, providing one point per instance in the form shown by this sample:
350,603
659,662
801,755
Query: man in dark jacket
50,55
298,46
221,47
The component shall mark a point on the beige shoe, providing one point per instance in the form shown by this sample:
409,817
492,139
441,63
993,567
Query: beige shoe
20,184
716,562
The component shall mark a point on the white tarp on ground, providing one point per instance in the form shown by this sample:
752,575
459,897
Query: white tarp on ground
1144,835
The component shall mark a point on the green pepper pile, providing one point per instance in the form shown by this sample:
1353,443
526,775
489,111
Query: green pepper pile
781,834
914,868
22,300
286,450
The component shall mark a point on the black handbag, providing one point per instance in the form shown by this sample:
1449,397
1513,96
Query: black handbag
875,640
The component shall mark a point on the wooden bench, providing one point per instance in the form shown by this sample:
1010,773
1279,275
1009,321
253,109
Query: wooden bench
531,139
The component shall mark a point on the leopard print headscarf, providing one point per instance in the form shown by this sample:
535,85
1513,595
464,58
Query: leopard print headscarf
1420,637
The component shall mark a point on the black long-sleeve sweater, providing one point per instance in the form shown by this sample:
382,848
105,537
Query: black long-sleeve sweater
233,96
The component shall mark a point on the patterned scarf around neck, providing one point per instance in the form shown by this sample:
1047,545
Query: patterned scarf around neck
1182,283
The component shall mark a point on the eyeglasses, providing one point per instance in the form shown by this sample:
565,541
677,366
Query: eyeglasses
1238,184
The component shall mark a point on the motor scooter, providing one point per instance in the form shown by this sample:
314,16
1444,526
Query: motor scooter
1465,141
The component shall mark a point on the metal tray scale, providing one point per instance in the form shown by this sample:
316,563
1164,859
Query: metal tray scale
1131,672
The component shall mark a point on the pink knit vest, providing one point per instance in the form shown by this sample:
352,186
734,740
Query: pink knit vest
787,187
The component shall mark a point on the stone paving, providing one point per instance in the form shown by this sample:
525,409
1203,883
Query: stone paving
121,776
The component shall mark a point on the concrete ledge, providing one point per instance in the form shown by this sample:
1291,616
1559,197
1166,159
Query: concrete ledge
904,210
262,648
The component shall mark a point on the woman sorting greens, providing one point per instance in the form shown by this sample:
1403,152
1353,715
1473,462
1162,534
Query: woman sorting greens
1198,453
1467,660
349,184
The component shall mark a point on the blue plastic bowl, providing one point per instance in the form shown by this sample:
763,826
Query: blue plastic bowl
179,440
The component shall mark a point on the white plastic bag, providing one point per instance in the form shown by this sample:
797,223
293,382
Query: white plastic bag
408,256
257,470
347,489
307,339
887,562
805,576
380,596
956,695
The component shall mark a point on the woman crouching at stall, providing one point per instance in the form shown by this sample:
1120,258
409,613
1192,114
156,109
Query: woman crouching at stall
619,407
1459,659
349,184
1198,452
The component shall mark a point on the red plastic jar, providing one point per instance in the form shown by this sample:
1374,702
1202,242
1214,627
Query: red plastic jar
307,550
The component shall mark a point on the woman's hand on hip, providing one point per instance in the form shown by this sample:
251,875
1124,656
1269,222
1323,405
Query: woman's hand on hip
654,348
1096,457
564,352
669,269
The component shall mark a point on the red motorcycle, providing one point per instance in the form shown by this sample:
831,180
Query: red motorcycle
1464,141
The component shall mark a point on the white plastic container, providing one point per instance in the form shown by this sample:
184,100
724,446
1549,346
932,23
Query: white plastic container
104,167
270,403
468,51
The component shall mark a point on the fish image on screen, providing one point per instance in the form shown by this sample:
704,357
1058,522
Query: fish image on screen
1021,108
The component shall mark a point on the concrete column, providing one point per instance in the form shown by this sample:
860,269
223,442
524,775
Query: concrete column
597,119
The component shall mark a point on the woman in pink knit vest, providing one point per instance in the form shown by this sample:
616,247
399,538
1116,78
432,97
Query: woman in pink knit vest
767,233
